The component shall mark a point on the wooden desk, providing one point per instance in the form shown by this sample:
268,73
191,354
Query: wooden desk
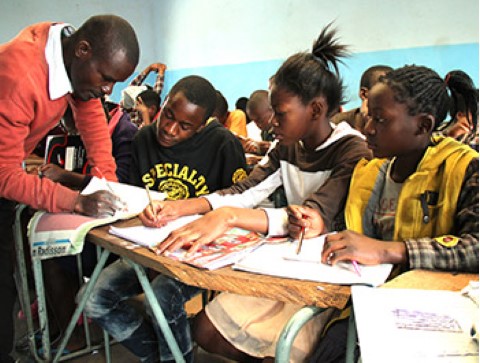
431,280
225,279
304,293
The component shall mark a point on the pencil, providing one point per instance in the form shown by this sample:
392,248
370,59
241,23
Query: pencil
300,240
106,181
356,268
150,200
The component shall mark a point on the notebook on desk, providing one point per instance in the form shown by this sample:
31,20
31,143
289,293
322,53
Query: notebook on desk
407,325
280,259
224,251
59,234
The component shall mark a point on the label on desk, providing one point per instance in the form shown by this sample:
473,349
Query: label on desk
61,234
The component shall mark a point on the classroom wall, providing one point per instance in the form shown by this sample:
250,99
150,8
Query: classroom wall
238,45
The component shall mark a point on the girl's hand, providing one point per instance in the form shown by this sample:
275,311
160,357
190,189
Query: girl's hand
197,233
304,217
349,245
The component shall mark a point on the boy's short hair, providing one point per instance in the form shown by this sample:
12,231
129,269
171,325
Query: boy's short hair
198,91
150,98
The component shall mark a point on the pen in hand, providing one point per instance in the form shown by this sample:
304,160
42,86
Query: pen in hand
106,181
150,200
123,205
300,240
356,268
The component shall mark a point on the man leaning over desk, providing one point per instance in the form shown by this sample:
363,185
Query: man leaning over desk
46,67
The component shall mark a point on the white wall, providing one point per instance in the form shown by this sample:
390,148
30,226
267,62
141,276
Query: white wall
216,32
16,14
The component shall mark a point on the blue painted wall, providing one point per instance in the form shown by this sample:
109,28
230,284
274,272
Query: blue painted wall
236,80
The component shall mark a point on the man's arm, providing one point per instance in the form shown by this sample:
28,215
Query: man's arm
91,122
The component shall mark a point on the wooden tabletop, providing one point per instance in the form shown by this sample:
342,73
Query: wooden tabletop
225,279
431,280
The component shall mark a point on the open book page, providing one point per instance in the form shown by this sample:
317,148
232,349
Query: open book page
60,234
281,260
224,251
150,237
407,325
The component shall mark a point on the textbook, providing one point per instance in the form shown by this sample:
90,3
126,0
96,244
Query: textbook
224,251
410,325
281,259
60,234
68,152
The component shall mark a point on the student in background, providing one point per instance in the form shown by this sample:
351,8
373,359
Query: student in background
314,160
121,131
358,116
241,104
418,206
463,123
183,157
235,121
261,113
58,66
147,105
158,68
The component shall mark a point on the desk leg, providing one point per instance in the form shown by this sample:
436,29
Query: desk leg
21,278
158,312
81,304
291,330
351,338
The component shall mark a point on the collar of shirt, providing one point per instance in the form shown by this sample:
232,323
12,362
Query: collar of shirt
58,82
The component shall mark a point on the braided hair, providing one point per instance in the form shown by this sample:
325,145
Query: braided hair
464,96
422,90
312,74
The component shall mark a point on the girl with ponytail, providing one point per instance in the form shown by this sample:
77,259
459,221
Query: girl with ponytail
313,161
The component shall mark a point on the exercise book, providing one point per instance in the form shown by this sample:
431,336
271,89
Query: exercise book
225,250
411,325
281,259
60,234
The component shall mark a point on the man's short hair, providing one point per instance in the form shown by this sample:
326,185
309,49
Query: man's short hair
107,34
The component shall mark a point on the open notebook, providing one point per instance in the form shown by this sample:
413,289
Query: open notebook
280,259
60,234
408,325
224,251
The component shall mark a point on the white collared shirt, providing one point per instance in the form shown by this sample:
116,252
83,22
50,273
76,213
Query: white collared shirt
58,82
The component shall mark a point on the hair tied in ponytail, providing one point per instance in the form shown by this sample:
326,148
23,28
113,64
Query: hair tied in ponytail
447,78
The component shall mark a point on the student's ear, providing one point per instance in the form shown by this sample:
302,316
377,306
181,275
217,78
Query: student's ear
426,123
363,93
319,108
83,49
201,127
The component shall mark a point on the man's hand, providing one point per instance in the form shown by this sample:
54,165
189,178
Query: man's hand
98,204
157,67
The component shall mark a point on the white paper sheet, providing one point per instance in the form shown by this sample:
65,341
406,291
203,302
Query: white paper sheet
407,325
281,260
